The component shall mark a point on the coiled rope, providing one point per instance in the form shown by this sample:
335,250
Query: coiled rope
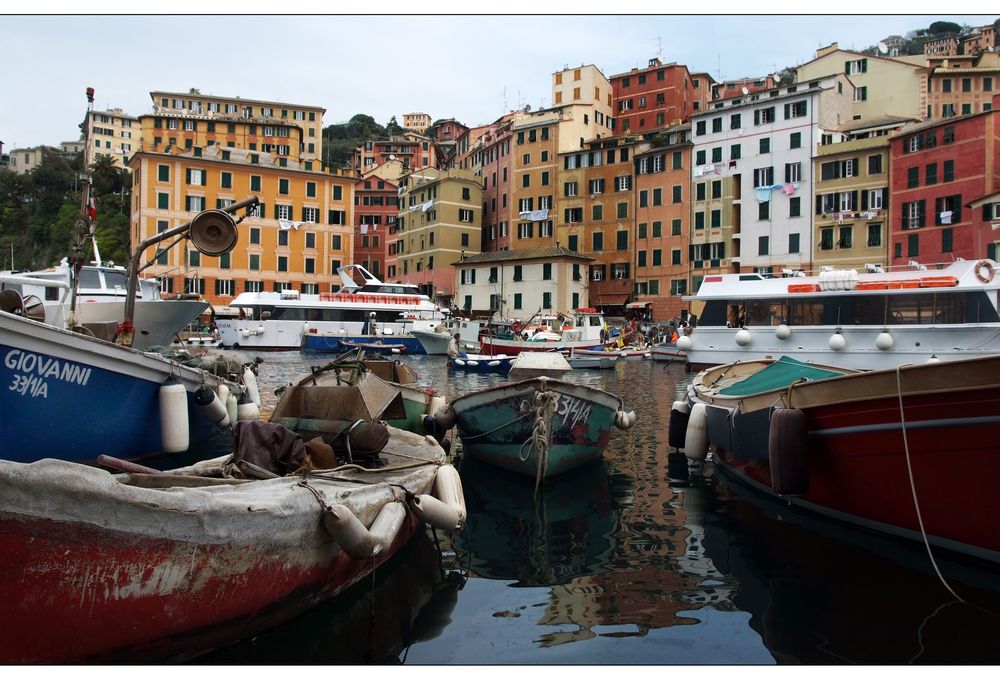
541,435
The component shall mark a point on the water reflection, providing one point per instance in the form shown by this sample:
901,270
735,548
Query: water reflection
376,621
549,539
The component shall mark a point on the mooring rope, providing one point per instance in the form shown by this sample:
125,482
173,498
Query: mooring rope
541,435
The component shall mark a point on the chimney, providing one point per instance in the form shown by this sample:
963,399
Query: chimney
823,51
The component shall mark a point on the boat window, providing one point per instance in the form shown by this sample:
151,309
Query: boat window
51,293
262,313
714,313
979,308
595,321
115,279
805,312
89,278
764,312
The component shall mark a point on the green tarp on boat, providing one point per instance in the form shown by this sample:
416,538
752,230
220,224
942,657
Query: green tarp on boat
781,373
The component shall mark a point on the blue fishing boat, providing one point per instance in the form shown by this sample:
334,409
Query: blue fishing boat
540,427
74,397
482,363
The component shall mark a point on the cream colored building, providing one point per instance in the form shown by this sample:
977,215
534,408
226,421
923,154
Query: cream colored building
589,92
111,133
882,86
195,105
518,283
416,121
26,160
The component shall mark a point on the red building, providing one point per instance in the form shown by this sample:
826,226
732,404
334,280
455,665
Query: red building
939,171
413,151
655,97
375,211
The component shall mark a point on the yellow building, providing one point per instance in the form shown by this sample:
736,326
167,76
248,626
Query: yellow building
533,178
265,116
440,221
297,238
200,152
852,204
111,133
416,121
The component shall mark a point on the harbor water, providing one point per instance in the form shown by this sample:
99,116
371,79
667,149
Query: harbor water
639,559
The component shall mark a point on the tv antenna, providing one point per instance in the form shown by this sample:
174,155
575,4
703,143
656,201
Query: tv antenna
659,47
882,47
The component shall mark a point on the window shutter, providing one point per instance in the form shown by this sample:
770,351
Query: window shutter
864,200
788,111
864,66
187,203
836,202
275,211
847,67
756,117
819,204
854,200
187,175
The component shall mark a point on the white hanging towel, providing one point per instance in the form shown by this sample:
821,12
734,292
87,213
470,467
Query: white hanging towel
285,224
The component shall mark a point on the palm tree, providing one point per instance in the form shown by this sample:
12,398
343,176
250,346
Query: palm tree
106,175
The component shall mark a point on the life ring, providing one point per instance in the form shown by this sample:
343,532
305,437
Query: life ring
984,271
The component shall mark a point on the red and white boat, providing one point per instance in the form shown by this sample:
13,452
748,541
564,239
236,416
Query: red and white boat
580,329
97,567
913,451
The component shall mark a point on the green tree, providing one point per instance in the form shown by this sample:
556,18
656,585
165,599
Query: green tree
939,28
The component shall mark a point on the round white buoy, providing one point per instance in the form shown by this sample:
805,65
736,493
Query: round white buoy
743,337
250,383
260,330
472,362
684,342
247,409
214,409
232,407
245,332
696,437
493,364
174,432
446,417
459,362
681,407
837,342
884,340
782,332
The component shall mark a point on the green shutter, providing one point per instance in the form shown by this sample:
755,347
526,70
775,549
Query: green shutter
847,67
756,117
187,175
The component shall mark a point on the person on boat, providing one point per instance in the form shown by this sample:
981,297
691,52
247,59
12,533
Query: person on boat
453,351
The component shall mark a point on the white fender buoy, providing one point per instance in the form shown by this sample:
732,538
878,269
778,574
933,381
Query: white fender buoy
448,489
472,362
260,330
696,437
493,364
246,409
232,408
446,417
436,513
222,390
214,409
349,533
884,340
174,432
624,419
681,407
743,337
245,332
395,350
782,332
837,342
250,382
459,362
436,404
684,342
386,526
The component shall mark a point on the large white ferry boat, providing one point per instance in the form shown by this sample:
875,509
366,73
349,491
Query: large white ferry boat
289,320
869,321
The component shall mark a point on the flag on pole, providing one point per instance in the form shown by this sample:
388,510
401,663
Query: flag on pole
91,209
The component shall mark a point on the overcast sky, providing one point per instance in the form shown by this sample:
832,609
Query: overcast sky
472,68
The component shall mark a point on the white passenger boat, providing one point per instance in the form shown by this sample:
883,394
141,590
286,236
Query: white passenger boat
855,320
286,320
100,302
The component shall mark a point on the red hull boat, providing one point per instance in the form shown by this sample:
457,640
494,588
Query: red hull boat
919,465
143,567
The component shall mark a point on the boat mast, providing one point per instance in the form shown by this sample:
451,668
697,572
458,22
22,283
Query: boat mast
84,223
